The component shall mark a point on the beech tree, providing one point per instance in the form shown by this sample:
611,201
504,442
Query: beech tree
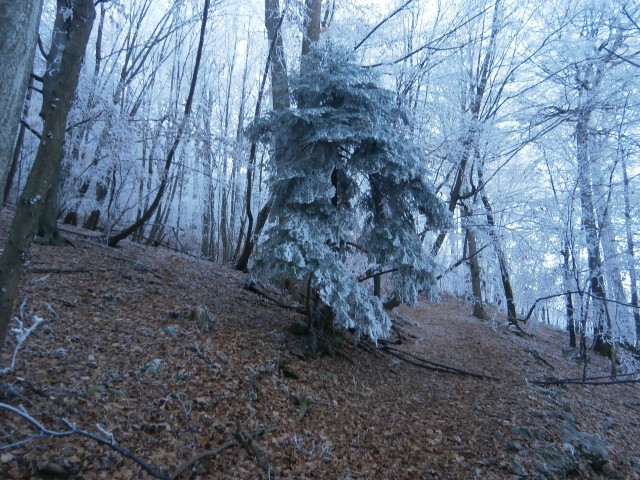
19,22
592,83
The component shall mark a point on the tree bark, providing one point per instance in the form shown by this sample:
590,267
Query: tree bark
18,147
19,21
474,270
69,41
569,308
602,342
312,22
502,260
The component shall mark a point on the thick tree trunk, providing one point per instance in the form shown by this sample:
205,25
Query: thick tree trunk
18,148
19,21
312,22
474,270
602,340
48,231
68,45
633,277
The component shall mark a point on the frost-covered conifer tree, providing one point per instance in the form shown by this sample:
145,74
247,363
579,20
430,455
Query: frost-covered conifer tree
348,177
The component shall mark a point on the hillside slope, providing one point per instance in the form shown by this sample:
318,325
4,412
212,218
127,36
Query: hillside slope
120,348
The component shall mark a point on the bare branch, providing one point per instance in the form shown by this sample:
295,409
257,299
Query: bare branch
107,440
385,20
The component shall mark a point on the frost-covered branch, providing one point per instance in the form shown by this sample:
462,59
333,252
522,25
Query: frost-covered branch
44,432
22,334
108,439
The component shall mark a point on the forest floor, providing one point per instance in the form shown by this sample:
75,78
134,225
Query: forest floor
118,347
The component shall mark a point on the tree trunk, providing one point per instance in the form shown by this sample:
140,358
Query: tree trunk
602,341
48,231
68,45
633,278
502,259
474,270
19,21
569,308
312,22
18,148
115,239
280,101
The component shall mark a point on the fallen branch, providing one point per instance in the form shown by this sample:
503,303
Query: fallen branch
107,440
70,270
255,288
195,459
588,381
253,450
416,361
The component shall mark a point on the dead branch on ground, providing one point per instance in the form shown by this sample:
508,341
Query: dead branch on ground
256,288
420,362
247,442
107,439
589,380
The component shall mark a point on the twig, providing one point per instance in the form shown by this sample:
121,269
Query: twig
73,430
109,442
193,460
253,450
21,335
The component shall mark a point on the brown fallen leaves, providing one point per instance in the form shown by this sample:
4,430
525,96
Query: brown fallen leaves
120,348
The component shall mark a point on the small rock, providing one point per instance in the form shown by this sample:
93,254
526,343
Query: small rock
171,331
516,468
521,431
588,446
553,464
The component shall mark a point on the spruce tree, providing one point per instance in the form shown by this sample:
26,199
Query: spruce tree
348,179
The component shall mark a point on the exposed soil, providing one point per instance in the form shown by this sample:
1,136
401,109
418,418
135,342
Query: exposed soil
119,347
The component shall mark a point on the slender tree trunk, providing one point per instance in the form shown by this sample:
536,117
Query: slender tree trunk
602,340
633,277
280,100
18,148
69,41
115,239
478,88
474,270
571,327
19,21
502,259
